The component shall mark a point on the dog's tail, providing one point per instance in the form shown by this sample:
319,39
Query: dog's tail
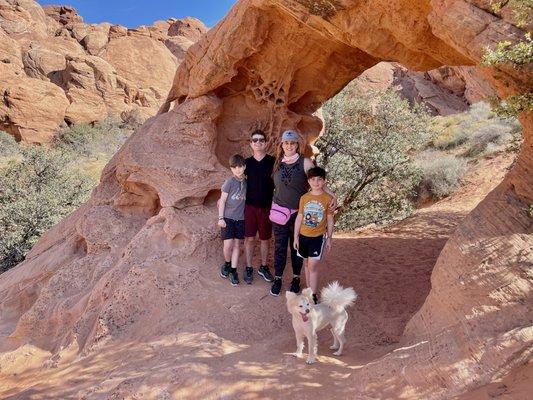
337,297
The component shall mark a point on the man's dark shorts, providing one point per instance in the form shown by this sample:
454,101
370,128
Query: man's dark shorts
233,230
311,247
256,220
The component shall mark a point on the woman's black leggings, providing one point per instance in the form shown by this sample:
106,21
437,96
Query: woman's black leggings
283,236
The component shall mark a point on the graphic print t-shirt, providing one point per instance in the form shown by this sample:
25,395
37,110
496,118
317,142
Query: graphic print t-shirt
236,191
314,209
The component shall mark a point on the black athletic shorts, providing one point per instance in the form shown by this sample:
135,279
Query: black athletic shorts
233,230
311,247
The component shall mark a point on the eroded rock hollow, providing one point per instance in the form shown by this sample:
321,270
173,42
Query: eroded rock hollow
108,272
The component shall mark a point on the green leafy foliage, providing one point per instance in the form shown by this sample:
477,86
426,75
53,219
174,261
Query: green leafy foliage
367,150
518,54
441,174
41,185
37,189
522,10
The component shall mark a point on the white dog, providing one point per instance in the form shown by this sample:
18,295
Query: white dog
308,319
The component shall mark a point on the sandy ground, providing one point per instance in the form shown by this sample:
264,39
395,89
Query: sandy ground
243,353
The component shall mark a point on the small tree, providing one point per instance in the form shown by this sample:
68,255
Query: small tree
367,151
37,189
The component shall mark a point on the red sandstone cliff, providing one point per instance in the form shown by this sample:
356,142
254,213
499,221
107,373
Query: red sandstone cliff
130,265
54,68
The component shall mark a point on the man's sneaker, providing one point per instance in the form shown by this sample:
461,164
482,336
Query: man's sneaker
295,285
276,287
248,275
265,273
234,278
224,270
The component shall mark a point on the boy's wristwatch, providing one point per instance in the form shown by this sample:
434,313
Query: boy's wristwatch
220,218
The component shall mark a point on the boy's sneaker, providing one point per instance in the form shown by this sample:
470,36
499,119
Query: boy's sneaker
248,275
295,285
234,278
276,287
225,270
265,273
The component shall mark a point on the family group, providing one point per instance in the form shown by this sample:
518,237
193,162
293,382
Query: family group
285,195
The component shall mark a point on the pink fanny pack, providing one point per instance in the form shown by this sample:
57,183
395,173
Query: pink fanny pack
280,215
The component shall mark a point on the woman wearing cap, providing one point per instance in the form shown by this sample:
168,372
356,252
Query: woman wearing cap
290,183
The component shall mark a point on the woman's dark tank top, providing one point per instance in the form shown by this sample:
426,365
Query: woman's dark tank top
290,183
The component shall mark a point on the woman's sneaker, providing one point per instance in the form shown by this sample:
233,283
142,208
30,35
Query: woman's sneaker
265,273
248,275
276,287
234,278
224,270
295,285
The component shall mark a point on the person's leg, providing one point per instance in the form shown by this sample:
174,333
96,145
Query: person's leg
227,249
264,251
281,241
249,244
312,266
250,231
306,270
236,249
296,261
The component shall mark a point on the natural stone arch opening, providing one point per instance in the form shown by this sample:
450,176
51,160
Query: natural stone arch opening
231,78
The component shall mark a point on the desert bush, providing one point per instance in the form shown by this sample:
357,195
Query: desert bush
478,132
100,139
367,150
36,191
441,174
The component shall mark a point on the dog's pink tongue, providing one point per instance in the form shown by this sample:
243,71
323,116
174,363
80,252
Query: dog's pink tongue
304,317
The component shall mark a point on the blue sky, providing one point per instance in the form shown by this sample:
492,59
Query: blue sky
132,13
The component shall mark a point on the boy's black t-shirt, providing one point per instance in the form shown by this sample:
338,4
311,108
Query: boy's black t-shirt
260,184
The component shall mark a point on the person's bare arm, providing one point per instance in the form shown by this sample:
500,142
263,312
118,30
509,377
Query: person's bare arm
333,204
297,225
221,207
329,239
308,164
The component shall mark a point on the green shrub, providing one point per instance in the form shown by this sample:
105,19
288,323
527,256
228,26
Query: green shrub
36,191
441,174
367,149
518,54
99,139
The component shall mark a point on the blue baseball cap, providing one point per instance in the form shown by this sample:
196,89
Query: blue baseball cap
289,136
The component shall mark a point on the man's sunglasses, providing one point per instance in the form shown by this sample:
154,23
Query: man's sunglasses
255,140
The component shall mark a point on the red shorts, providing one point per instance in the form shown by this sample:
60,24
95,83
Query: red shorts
256,220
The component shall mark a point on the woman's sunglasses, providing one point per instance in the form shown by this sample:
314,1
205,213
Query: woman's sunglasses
255,140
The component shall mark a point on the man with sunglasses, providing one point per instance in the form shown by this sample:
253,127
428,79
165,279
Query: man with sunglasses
259,193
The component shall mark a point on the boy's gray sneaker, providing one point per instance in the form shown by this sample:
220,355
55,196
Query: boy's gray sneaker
233,278
265,273
224,270
276,287
248,275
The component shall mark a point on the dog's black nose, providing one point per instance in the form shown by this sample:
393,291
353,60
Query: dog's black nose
307,311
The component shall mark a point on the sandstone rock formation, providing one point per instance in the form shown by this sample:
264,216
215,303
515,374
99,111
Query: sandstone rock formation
82,72
445,90
127,265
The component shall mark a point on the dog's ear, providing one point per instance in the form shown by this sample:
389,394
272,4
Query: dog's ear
290,295
307,292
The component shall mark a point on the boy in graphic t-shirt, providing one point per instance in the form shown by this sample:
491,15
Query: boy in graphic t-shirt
314,226
231,217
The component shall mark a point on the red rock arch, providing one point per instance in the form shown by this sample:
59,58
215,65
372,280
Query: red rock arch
272,63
